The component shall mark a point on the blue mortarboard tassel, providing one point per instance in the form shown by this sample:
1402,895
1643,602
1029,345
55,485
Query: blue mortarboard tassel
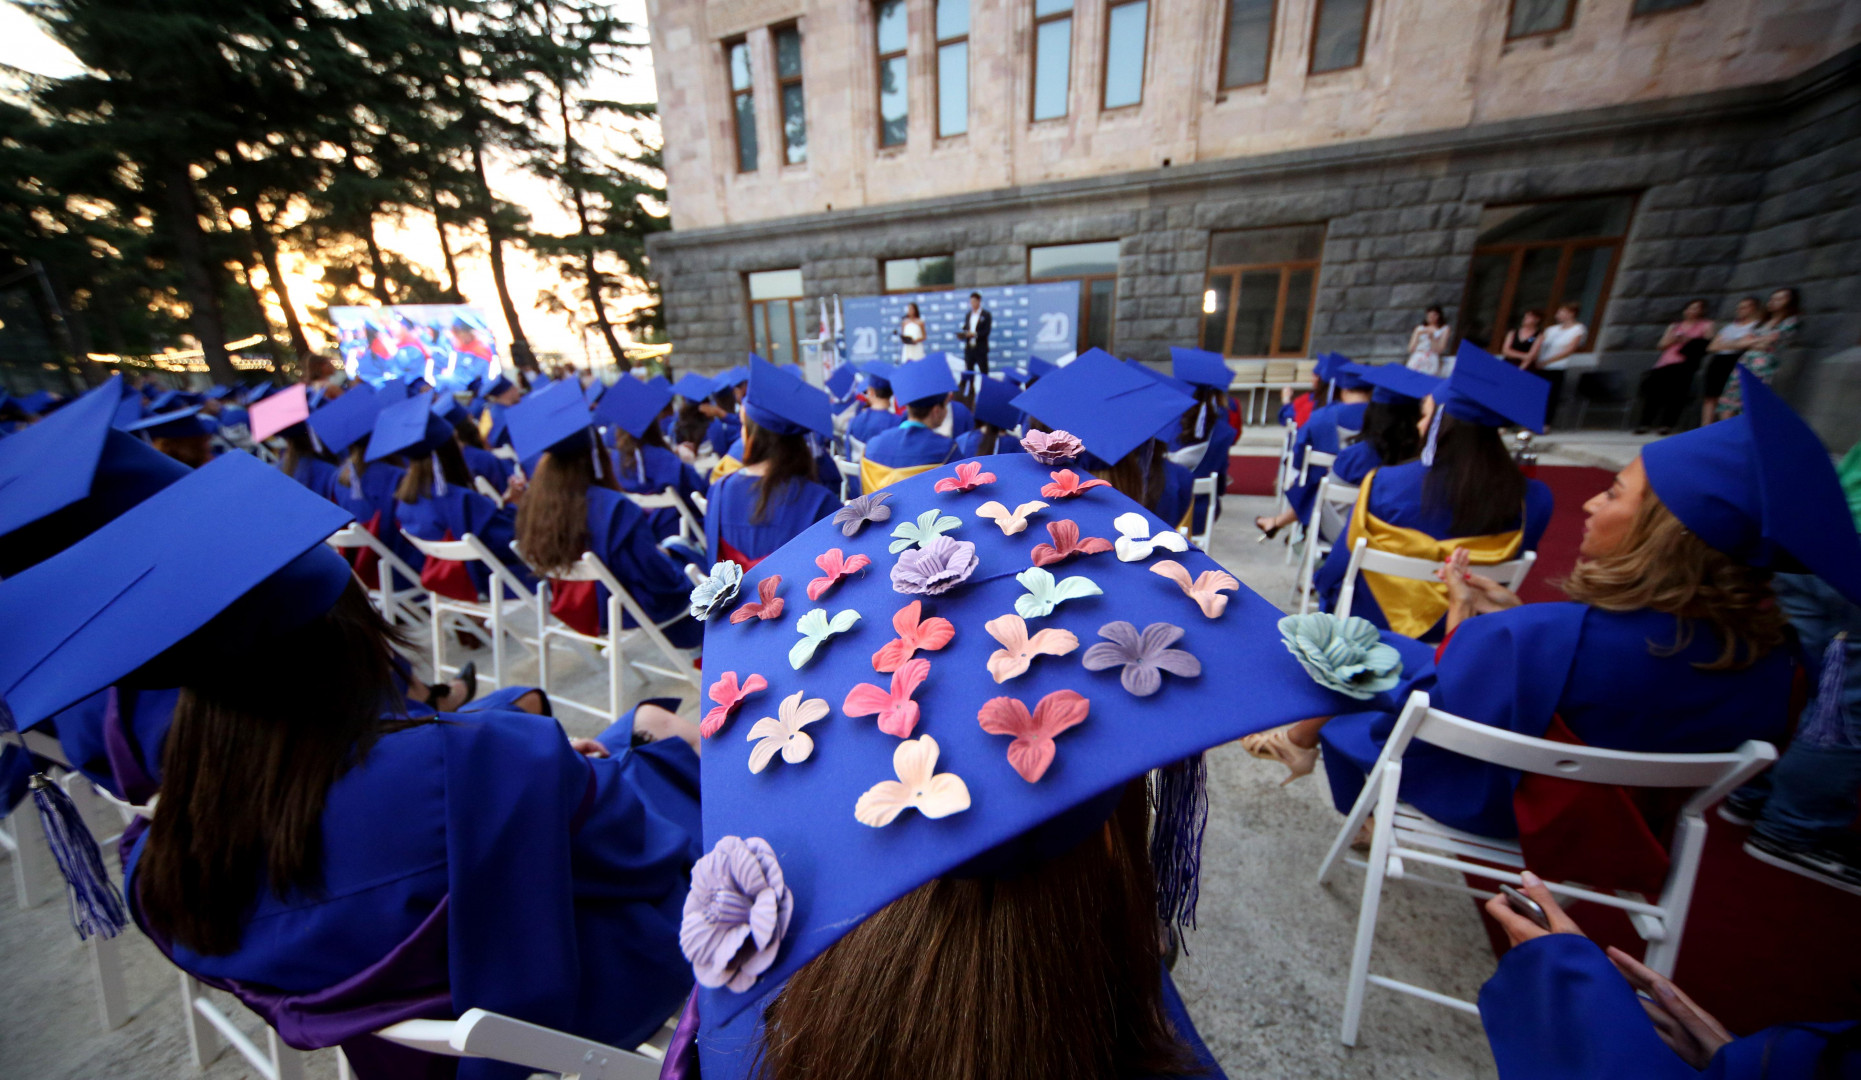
439,475
95,905
1179,812
1826,728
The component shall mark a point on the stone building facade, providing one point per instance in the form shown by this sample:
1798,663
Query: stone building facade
1710,151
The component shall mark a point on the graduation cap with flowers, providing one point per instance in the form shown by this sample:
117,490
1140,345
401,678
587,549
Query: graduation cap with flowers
960,675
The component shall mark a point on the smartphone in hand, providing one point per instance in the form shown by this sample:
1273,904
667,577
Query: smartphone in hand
1525,906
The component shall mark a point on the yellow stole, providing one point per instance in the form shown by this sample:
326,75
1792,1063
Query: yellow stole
1413,607
724,467
873,476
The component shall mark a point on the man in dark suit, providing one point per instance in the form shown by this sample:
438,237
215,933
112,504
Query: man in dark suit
975,338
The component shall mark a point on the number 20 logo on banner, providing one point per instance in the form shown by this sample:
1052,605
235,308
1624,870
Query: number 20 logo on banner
865,342
1055,328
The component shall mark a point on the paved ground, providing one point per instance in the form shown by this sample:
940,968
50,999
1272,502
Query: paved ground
1264,975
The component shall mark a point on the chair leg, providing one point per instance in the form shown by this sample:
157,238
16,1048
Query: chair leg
497,633
1382,835
106,966
1372,789
439,639
287,1061
32,856
614,620
202,1045
542,636
1689,844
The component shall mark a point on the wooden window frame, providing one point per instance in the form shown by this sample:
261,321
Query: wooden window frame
1085,293
788,302
1033,44
884,291
1688,6
878,76
1363,39
937,69
1570,19
1143,61
782,84
736,134
1286,270
1502,316
1221,76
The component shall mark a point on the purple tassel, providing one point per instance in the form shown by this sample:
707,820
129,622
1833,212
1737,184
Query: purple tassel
1826,727
439,475
1179,812
355,481
1434,432
95,905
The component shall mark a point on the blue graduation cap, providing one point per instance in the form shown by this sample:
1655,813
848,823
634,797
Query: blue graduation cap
38,401
256,393
218,391
350,417
201,573
633,405
879,376
779,401
995,404
128,410
1338,370
735,376
495,387
1201,367
693,387
1110,407
408,427
921,380
593,392
175,424
1759,487
840,382
447,408
545,417
1036,369
167,400
64,477
1392,381
1486,390
1181,386
660,381
978,756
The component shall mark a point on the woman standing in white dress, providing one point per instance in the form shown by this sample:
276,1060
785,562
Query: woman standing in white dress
1428,342
911,332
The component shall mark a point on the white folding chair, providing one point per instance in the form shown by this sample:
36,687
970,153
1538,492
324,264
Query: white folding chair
690,528
394,604
276,1062
1403,835
615,641
1190,456
507,452
858,448
492,609
699,500
849,478
1511,574
1331,510
35,875
488,490
1313,459
1204,487
481,1034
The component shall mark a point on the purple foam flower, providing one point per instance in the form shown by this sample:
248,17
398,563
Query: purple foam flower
1052,447
736,913
1143,656
854,515
940,565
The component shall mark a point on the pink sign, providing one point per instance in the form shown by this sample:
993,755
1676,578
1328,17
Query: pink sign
279,411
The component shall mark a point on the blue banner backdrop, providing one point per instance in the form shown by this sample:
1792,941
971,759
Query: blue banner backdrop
1038,320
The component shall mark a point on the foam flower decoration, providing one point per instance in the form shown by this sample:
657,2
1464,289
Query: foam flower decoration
897,713
1135,544
1144,656
1019,650
919,786
1205,590
935,568
835,565
1066,484
816,628
1032,750
854,515
1052,447
969,476
930,525
1346,655
782,732
735,914
1010,522
1044,593
1066,544
717,590
728,696
914,633
767,604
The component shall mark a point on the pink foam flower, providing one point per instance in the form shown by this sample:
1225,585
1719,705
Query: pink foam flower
1052,447
728,696
1033,749
1066,484
969,476
835,565
897,713
1066,543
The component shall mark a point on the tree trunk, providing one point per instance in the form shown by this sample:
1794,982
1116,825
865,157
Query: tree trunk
196,276
445,250
589,272
267,245
520,351
383,290
249,277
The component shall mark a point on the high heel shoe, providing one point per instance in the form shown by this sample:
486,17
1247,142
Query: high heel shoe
468,675
1277,745
1265,533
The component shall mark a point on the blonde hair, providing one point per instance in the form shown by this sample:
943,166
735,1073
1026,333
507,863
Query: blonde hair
1662,566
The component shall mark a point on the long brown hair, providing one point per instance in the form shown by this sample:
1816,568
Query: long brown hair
417,482
1139,474
552,522
626,445
1054,973
1207,398
248,765
1474,479
468,435
788,458
1662,566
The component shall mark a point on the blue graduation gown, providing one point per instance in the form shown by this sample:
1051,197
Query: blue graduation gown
493,468
376,509
910,444
868,424
621,536
1320,433
1594,669
481,863
319,476
1396,498
1557,1009
1354,463
962,421
724,431
1178,489
652,470
460,511
1215,455
733,501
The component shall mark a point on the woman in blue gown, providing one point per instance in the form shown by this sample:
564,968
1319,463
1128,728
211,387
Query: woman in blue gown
726,397
479,460
367,866
998,422
881,411
364,489
1392,424
777,493
1329,430
574,504
644,464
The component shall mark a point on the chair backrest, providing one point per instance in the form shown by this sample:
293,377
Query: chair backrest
486,489
1511,574
1190,456
481,1034
1204,487
669,499
470,548
507,452
1314,459
858,446
354,535
1333,506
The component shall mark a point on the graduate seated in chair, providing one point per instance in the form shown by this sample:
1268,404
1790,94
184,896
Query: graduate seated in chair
181,433
479,460
724,409
574,505
881,412
912,445
365,489
1464,492
689,422
1325,432
968,863
1206,425
998,422
334,862
1671,641
778,492
645,464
